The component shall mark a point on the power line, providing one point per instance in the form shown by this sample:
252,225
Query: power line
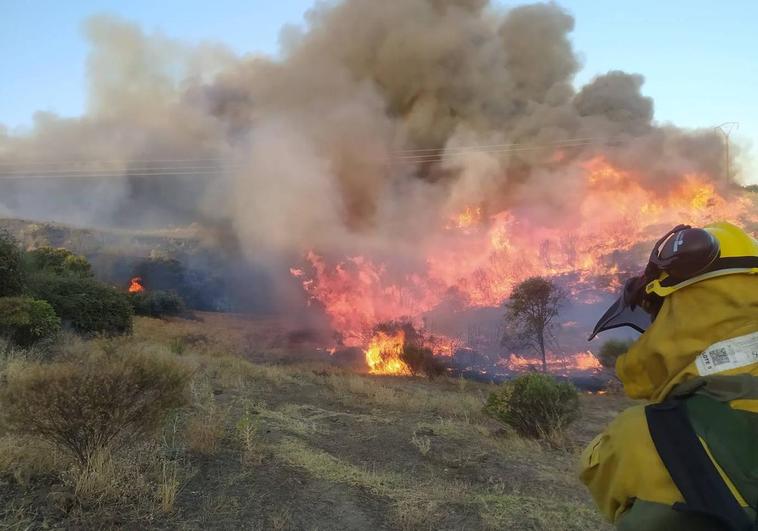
116,171
30,162
499,146
213,167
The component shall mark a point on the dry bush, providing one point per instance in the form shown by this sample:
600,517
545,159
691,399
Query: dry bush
83,408
24,458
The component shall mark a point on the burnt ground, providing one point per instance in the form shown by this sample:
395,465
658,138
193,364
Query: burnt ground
329,450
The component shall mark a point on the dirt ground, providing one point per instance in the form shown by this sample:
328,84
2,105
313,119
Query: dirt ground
285,445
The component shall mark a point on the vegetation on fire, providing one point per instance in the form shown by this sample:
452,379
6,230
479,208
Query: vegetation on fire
401,349
270,445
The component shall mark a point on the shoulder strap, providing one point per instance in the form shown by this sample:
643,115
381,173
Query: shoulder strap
691,469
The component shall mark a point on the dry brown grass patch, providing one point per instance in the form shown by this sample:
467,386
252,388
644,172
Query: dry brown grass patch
83,408
205,426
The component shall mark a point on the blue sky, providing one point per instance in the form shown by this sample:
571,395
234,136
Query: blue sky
699,57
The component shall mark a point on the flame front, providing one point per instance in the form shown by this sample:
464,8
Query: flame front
578,362
477,256
136,286
383,354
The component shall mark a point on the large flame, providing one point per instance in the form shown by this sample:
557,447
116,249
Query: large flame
579,362
478,257
384,351
135,285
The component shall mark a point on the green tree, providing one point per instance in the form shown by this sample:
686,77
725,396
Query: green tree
83,304
530,312
11,271
25,321
58,262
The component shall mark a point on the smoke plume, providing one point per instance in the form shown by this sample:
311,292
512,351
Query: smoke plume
358,138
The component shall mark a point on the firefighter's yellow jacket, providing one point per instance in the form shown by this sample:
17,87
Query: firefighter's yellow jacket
621,466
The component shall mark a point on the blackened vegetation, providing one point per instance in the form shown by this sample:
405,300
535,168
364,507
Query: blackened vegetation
200,290
157,304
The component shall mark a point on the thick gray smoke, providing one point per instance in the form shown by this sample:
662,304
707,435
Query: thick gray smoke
359,136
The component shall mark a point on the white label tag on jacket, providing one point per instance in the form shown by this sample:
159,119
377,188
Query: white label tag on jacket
729,354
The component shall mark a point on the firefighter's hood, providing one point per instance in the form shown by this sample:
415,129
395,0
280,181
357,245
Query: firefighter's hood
691,320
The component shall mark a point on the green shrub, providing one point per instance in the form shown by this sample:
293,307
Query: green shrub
25,321
58,262
104,403
11,271
157,303
535,405
611,350
83,304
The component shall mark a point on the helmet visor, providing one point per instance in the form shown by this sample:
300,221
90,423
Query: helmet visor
621,314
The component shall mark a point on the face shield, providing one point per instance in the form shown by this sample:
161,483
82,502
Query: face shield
626,311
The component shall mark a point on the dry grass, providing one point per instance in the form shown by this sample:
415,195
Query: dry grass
247,431
168,488
24,458
422,504
205,428
400,453
422,442
281,520
410,395
330,468
86,406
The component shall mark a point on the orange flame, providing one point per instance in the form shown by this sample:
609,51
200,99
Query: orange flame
466,219
136,285
383,354
479,258
578,362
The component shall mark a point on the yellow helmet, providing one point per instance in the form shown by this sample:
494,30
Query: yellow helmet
718,249
684,256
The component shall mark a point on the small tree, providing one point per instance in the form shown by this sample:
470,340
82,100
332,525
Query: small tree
530,312
11,272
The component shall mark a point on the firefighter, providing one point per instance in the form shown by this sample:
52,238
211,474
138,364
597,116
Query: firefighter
688,459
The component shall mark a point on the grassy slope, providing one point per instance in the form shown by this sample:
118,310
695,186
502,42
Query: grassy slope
307,447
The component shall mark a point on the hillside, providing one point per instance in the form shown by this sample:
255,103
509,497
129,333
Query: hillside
304,446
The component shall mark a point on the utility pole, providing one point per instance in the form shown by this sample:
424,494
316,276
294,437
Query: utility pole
726,129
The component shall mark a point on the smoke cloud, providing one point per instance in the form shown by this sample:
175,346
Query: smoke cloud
358,137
